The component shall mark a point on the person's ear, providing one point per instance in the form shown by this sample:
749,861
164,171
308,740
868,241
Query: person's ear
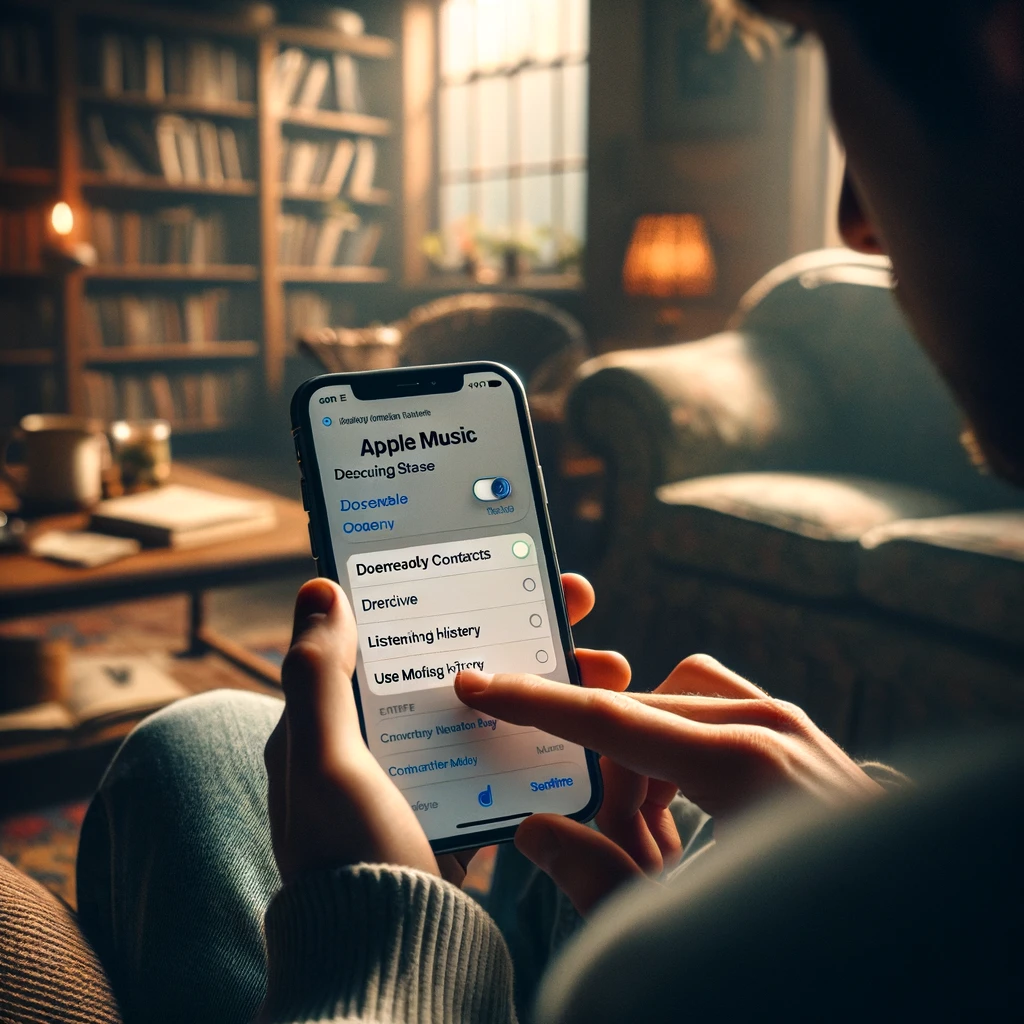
855,226
1002,43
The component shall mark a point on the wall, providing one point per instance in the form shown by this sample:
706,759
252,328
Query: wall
740,184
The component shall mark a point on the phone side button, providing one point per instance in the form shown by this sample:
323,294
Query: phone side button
305,500
312,542
543,485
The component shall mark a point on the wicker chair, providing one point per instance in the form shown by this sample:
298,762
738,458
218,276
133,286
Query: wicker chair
541,342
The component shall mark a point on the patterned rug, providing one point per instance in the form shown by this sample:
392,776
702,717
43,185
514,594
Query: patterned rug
43,845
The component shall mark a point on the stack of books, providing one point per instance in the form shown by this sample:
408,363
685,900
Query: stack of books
134,321
343,240
21,238
21,58
176,235
182,150
303,84
120,64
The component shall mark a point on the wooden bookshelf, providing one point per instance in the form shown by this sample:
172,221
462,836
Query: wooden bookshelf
34,177
27,357
333,275
237,110
173,353
377,197
151,183
207,273
257,204
337,121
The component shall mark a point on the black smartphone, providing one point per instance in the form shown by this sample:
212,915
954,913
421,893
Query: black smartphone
426,503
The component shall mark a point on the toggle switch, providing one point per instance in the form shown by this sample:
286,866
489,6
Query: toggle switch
491,488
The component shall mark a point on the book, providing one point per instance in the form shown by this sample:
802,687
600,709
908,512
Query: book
182,517
313,86
82,548
289,68
348,95
154,68
111,64
364,169
230,157
209,147
103,690
337,170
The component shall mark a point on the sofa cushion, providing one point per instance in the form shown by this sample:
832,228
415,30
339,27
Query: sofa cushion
794,531
965,571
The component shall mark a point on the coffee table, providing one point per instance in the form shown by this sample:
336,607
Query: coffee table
30,585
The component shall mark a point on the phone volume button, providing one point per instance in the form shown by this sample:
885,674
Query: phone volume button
312,542
302,489
543,486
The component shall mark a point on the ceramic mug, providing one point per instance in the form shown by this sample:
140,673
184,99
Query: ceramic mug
64,461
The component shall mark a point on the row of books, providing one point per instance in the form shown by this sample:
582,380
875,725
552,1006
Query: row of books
342,240
149,66
28,322
21,58
179,149
21,238
326,167
177,235
145,321
303,83
185,399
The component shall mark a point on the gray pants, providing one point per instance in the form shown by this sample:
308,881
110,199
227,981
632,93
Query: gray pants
176,869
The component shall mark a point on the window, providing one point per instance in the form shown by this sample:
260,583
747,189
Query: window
511,149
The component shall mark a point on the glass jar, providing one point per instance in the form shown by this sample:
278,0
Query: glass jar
142,451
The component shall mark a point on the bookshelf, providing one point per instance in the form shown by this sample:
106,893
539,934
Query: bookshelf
233,176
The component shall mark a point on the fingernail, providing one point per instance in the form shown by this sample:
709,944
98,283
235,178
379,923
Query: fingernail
316,597
471,682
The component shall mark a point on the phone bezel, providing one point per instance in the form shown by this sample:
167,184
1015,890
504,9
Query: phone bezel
323,549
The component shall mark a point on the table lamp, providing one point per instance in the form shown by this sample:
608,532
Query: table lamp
669,257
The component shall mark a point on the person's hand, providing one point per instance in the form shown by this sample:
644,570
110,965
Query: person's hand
705,731
331,803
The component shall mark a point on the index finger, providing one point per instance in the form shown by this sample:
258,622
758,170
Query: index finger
644,739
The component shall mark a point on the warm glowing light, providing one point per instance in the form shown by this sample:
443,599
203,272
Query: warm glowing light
669,255
62,219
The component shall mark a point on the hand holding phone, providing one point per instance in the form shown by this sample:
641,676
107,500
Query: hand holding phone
330,802
426,504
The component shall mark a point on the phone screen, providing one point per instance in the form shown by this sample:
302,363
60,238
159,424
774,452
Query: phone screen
438,540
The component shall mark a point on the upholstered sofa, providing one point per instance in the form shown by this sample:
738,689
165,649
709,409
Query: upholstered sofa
792,497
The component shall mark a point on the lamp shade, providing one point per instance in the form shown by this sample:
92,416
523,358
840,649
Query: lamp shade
669,255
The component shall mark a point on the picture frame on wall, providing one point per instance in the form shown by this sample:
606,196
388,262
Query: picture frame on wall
691,91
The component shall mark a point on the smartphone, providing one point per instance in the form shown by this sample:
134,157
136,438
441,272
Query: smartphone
426,503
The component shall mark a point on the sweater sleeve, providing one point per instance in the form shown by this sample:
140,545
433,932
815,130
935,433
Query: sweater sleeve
374,942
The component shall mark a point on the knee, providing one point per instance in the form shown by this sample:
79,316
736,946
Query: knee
190,732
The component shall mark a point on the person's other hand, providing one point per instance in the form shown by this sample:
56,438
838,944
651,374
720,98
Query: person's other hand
704,731
331,803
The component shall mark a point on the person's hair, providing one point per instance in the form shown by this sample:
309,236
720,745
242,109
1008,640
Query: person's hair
924,47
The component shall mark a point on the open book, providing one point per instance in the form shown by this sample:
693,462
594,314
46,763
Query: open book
104,690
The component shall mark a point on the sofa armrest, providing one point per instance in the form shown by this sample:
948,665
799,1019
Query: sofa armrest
712,406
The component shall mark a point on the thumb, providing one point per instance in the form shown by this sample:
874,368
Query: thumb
585,865
316,675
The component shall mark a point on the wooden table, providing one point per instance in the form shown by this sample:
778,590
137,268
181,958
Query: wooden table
30,585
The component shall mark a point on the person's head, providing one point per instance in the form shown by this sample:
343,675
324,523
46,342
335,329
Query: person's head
928,98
